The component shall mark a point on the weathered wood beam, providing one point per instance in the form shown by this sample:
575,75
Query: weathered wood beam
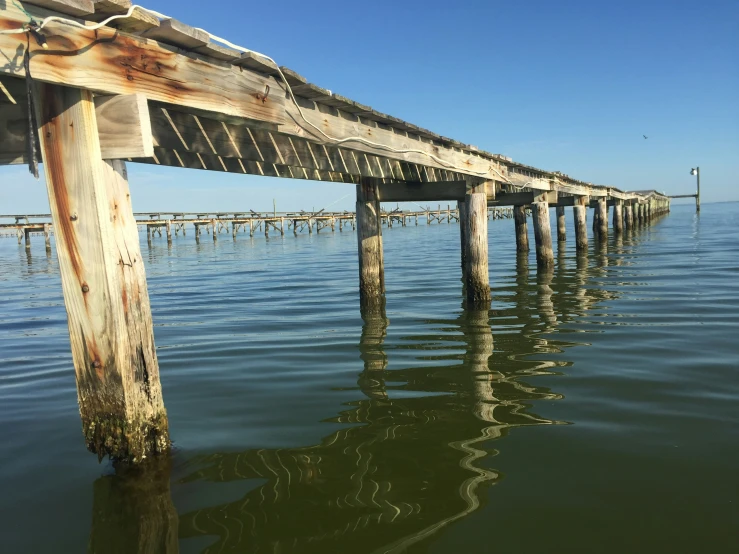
103,281
123,125
369,244
177,130
422,192
114,62
476,274
523,198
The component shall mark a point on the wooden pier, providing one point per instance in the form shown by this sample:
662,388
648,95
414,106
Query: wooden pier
251,222
87,86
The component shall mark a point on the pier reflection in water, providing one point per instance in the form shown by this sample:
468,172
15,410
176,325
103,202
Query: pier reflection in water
416,454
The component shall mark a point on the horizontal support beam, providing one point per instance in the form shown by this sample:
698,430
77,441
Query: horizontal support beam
421,192
124,127
523,198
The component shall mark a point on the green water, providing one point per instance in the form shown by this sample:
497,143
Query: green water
593,408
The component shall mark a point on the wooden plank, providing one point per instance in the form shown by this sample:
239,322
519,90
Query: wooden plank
112,62
124,126
254,61
78,8
104,289
218,51
171,31
138,22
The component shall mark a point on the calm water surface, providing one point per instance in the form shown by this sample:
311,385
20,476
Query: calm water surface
594,408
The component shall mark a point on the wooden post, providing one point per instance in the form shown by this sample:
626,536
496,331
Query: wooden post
581,226
19,234
561,224
47,236
618,218
542,234
215,229
369,242
103,281
522,230
282,226
169,231
477,279
602,218
462,208
27,233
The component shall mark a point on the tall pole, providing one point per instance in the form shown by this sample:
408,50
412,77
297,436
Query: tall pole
698,194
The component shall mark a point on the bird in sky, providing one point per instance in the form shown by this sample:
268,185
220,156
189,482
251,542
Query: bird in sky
645,136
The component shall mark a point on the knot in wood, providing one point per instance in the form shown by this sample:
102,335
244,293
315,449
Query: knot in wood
85,288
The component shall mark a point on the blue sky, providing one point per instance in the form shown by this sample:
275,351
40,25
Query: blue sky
569,86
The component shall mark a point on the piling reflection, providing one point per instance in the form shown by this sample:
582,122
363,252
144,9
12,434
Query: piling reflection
416,452
133,512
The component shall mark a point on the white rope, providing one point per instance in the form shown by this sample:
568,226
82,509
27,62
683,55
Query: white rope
334,140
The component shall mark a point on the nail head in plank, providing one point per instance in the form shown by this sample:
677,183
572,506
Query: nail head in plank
177,33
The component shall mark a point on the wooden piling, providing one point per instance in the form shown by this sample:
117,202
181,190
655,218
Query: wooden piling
561,224
618,219
213,224
168,225
477,280
47,236
542,234
19,234
103,281
581,227
369,242
522,230
27,233
601,218
462,208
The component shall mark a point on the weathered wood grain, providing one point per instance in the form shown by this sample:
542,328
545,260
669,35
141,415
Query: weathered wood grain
369,242
618,219
581,227
103,281
114,62
477,279
521,228
561,224
123,126
601,219
542,234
